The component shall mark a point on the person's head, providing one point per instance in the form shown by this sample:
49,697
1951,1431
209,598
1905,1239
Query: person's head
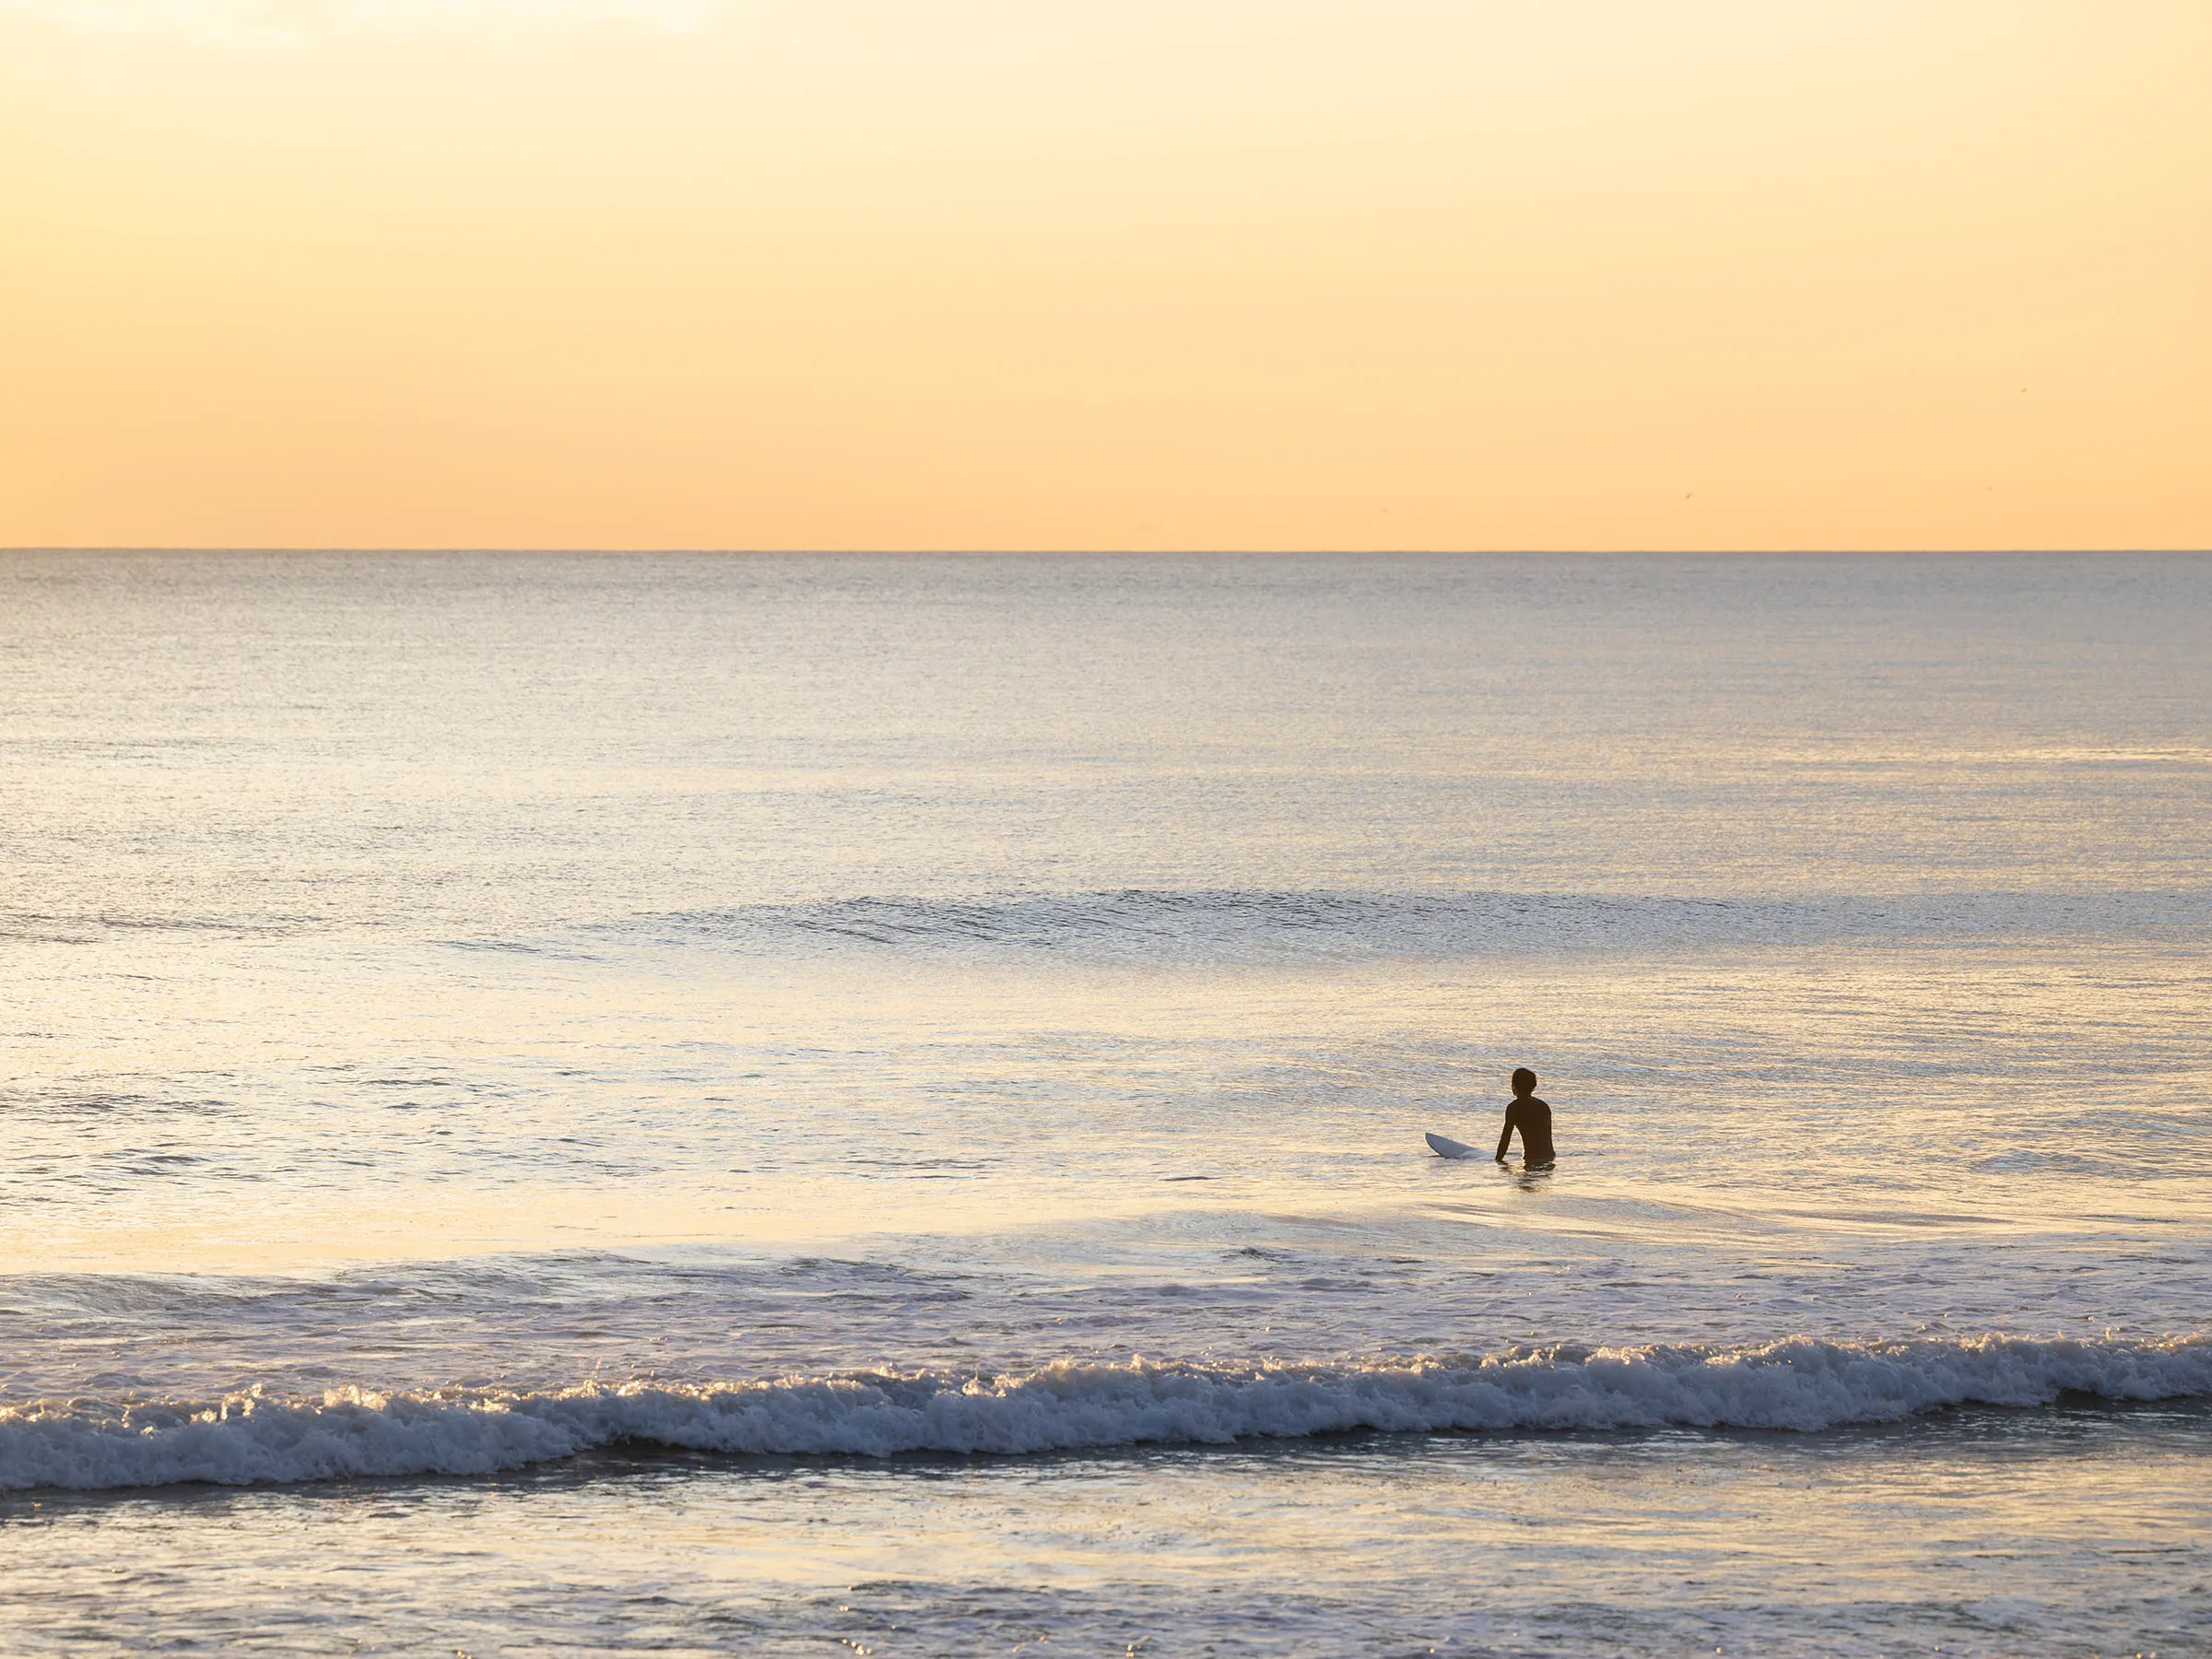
1524,1084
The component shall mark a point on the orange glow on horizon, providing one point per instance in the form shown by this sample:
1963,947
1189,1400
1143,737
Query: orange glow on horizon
985,275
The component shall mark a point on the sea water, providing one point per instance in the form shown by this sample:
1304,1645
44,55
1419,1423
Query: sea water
588,1103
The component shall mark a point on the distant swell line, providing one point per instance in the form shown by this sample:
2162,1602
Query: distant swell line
1796,1384
1214,924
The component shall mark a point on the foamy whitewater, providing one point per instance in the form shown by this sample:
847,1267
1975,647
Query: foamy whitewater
1797,1385
567,1103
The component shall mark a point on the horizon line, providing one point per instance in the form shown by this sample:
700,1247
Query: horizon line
433,549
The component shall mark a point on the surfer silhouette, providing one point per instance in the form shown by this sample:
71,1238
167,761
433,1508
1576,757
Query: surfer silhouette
1533,1118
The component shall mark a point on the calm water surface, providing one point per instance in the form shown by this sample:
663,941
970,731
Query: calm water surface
704,1103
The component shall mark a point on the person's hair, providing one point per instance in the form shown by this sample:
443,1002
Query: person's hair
1524,1081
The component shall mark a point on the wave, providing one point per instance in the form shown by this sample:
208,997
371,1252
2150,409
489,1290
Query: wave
1799,1384
1259,924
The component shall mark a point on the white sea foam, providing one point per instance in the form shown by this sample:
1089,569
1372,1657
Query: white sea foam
1795,1384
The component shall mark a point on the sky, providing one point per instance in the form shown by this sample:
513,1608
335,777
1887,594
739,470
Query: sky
1106,274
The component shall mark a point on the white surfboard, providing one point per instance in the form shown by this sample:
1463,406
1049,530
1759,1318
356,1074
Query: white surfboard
1443,1145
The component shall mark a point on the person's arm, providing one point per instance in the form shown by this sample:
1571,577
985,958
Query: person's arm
1505,1135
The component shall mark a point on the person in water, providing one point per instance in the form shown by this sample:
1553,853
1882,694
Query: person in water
1533,1118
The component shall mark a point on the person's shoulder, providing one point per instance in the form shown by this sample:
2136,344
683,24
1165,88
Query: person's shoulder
1533,1100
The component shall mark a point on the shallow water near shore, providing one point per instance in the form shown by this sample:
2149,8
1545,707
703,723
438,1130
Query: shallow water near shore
736,1103
2079,1529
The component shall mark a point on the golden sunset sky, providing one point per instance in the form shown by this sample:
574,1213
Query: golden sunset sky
1520,274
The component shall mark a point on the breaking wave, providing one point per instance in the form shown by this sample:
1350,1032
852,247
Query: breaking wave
1795,1384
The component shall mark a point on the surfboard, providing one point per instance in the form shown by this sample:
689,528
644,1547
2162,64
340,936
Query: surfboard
1443,1145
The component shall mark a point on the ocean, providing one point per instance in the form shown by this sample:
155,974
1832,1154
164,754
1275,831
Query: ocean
703,1104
